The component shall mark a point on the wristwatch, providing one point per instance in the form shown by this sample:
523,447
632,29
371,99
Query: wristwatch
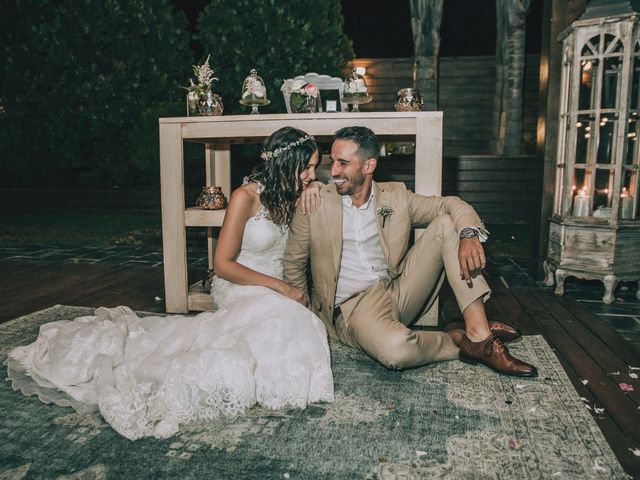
468,232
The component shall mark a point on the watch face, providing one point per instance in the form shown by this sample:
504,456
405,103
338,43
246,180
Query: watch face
468,233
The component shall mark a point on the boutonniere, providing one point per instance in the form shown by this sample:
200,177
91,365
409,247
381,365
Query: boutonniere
385,212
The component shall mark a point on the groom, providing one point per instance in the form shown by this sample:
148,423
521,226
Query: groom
368,285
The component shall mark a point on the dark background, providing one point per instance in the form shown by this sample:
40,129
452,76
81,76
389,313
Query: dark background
382,28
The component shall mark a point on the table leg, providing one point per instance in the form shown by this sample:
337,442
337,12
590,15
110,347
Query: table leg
428,177
218,173
174,242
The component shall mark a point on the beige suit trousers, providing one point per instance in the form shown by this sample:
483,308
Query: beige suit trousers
376,320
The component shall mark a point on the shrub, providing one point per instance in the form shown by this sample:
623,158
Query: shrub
79,82
279,39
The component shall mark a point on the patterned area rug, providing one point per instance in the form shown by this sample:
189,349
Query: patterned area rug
449,420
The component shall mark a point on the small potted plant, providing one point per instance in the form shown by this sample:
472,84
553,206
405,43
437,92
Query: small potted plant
200,97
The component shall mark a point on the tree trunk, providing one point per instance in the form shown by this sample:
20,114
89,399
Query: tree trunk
426,16
510,59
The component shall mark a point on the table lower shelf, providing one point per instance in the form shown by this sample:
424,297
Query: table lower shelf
198,300
199,217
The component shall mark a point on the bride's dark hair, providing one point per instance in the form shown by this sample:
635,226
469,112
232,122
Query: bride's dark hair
285,155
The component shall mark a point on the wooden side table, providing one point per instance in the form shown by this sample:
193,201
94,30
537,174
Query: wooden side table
217,133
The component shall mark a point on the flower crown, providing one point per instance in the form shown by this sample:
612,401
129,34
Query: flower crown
269,154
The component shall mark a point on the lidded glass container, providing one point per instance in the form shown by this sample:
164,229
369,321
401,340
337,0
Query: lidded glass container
254,92
355,91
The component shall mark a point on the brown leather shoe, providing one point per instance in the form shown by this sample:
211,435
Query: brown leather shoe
503,331
492,353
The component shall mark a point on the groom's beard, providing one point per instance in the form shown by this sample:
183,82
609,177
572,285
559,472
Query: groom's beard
346,186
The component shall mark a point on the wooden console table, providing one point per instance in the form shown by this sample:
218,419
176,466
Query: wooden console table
217,133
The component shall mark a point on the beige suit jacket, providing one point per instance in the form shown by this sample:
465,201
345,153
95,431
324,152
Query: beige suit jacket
317,238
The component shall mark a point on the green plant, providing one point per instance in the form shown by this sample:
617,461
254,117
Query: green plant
279,39
77,78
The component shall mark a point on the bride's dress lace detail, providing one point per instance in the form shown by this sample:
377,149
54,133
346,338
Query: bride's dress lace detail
149,375
263,244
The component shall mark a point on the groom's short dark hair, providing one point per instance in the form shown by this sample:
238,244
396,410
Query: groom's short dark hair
368,143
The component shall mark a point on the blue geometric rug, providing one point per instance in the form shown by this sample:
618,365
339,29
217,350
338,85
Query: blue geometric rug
449,420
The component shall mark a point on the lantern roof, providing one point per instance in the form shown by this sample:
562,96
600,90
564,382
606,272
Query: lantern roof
600,12
610,8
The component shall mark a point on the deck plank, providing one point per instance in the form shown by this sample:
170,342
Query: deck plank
621,408
617,422
608,358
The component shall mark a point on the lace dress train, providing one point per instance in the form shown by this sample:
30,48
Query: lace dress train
148,375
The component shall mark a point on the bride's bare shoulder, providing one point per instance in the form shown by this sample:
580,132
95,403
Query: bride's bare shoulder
245,199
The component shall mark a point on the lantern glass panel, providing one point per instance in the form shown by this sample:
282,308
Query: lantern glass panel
580,178
591,46
584,133
635,85
588,76
631,140
581,199
603,192
606,144
611,81
629,196
618,47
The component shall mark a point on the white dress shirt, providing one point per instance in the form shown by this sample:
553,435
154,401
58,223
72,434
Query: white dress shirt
363,261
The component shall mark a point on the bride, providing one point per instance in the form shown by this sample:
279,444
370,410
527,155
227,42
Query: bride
148,375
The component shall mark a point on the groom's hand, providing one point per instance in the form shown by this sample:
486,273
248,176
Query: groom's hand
471,256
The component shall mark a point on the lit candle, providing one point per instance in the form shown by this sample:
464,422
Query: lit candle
626,205
581,203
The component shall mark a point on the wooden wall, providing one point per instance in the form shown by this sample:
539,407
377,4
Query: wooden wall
465,96
502,189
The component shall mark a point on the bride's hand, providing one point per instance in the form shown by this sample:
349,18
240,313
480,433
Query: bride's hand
293,293
309,200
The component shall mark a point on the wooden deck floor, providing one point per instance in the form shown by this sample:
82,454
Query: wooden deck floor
595,357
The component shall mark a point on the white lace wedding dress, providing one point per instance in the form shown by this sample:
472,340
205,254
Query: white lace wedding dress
149,375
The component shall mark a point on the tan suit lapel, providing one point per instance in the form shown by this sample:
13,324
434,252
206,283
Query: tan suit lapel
383,198
333,224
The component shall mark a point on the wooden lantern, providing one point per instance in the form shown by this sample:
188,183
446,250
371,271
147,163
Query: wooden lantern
595,229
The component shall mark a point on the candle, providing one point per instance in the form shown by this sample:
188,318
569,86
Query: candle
581,203
626,205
